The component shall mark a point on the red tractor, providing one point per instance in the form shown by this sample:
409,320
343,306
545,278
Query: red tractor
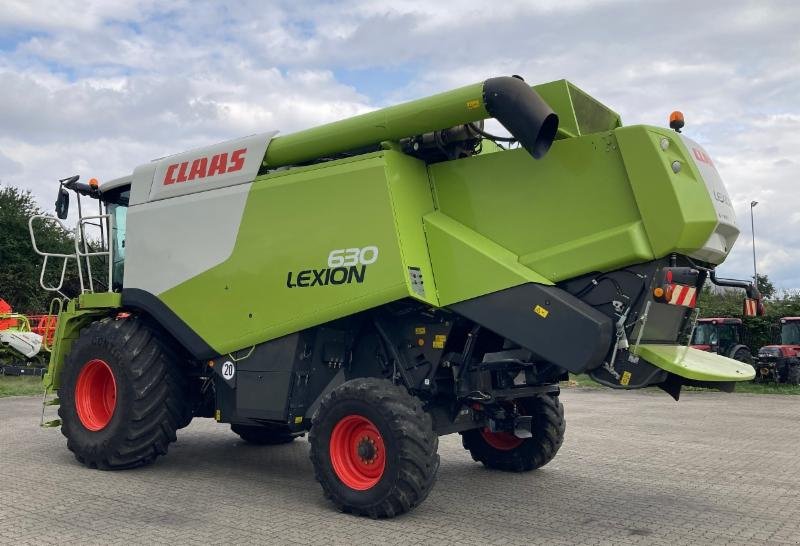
781,362
724,336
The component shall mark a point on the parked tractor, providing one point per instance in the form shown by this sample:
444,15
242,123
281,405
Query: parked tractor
780,363
24,341
383,280
724,336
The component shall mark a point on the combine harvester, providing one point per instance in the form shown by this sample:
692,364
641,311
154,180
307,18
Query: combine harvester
389,278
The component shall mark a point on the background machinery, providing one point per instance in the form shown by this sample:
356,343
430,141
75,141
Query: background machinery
25,341
780,362
724,336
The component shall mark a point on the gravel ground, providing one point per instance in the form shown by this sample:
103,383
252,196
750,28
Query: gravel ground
636,467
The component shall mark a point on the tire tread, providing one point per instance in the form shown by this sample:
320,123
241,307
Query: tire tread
533,453
417,443
159,387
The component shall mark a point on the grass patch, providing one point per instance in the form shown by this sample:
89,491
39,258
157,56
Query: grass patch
583,380
766,388
24,385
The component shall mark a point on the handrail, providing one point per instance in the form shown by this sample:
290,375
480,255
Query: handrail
52,325
48,255
79,240
33,237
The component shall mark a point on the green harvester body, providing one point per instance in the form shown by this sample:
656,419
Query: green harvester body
405,245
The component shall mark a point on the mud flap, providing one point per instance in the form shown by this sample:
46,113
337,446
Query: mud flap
670,367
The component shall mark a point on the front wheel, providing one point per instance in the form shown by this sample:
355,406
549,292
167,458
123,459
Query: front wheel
504,451
373,448
123,395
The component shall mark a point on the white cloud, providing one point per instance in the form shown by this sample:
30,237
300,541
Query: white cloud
70,15
98,87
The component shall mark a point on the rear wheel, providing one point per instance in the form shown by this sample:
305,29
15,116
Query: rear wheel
742,354
373,448
122,395
504,451
793,374
265,435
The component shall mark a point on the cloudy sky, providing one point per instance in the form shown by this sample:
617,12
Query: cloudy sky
98,87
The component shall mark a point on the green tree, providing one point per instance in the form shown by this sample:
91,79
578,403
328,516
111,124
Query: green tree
765,286
20,266
720,302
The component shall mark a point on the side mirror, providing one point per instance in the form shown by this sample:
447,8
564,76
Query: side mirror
62,204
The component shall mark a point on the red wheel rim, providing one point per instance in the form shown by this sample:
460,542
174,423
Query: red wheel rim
95,395
504,441
358,454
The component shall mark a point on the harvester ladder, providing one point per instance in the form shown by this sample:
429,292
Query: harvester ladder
51,322
49,400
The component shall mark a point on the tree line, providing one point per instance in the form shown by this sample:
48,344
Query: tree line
20,266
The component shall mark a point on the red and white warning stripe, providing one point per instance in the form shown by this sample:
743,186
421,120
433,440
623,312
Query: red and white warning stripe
750,307
683,295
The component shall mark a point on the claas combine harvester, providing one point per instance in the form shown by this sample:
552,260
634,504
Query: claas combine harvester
389,278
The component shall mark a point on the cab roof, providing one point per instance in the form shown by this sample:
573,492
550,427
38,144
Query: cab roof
723,320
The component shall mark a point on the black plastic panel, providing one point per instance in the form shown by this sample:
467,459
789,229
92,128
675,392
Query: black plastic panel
136,298
555,325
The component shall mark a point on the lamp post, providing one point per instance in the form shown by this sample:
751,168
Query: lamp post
753,231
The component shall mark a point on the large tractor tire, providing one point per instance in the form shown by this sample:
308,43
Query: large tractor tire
123,395
742,354
504,451
267,435
373,448
793,373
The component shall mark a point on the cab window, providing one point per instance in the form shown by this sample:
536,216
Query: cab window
118,209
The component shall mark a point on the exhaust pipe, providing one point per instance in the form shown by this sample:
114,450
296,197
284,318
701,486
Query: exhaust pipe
522,112
508,99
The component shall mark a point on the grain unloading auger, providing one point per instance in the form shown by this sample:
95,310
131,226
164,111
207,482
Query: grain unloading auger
389,278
